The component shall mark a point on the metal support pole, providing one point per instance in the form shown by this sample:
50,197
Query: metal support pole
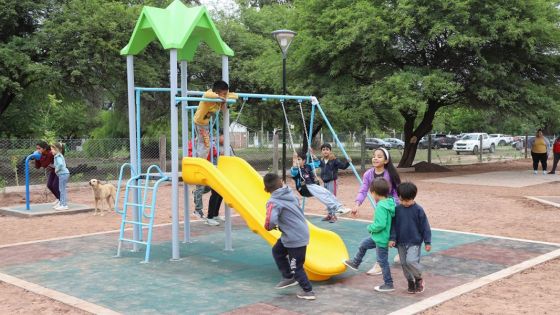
185,146
430,148
132,139
480,149
225,77
284,120
174,156
363,153
526,145
335,139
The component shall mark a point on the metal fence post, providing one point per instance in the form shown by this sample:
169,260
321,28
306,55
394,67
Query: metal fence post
526,144
275,154
480,149
430,148
363,153
163,153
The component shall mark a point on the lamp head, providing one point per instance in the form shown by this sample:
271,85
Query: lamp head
284,39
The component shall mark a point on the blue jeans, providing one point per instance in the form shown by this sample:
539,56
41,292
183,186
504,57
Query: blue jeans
202,141
198,192
62,182
382,257
383,261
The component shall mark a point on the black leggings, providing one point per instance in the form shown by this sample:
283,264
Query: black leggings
539,157
556,159
214,204
52,184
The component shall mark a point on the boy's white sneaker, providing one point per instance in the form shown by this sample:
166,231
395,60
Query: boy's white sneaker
212,222
59,208
343,211
397,259
375,270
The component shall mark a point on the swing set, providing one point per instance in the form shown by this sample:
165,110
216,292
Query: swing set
233,178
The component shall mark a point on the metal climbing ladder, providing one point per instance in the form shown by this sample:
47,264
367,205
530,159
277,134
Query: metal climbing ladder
142,182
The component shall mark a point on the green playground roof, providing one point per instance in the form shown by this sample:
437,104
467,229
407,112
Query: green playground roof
176,27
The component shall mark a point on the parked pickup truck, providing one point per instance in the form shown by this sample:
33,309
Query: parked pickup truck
501,139
438,141
470,142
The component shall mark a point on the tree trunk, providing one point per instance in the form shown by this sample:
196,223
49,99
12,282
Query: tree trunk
412,136
316,130
5,100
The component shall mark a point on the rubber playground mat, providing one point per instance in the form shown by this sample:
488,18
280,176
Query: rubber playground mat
209,280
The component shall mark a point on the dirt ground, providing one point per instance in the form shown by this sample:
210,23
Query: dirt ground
471,208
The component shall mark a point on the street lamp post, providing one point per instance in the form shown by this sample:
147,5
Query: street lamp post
284,39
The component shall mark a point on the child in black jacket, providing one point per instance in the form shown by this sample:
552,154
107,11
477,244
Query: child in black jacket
329,168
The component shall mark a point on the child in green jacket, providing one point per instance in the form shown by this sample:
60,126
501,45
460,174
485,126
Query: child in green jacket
379,232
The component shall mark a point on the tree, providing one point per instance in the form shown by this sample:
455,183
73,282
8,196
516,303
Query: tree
20,59
420,56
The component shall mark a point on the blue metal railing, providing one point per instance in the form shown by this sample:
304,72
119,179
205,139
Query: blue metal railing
33,156
142,183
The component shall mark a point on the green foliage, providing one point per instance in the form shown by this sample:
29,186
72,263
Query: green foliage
420,56
20,60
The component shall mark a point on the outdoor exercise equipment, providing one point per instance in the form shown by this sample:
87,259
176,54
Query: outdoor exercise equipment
33,156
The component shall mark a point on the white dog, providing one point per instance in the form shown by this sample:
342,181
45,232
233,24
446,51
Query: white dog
103,192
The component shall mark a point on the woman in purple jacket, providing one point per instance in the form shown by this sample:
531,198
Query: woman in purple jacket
382,167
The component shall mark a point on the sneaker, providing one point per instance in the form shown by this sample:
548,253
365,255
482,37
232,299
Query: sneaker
375,270
544,172
59,208
419,286
327,218
350,263
551,172
333,219
343,211
535,172
198,213
284,283
212,222
411,287
310,295
397,259
57,204
221,218
385,288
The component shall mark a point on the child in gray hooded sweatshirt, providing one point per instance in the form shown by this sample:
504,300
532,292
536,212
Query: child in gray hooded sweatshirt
283,212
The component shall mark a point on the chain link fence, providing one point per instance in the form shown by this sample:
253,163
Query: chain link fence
85,159
102,158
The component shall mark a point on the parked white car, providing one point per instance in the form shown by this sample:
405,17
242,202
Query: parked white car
501,139
396,143
470,142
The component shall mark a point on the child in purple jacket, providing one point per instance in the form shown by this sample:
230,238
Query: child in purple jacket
382,168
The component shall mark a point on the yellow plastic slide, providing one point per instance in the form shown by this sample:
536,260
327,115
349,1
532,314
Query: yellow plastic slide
243,190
